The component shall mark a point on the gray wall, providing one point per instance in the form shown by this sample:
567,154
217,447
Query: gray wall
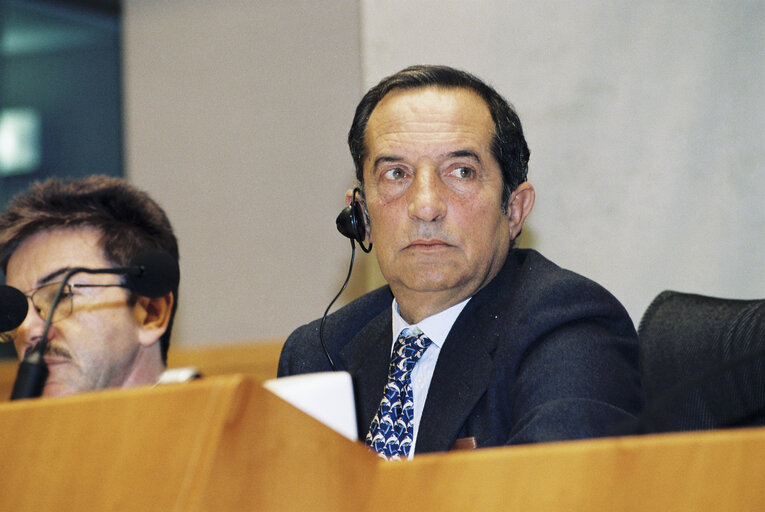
236,114
645,121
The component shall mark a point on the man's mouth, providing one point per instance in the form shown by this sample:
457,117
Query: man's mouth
427,243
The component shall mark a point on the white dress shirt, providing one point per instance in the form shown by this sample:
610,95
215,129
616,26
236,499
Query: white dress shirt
435,327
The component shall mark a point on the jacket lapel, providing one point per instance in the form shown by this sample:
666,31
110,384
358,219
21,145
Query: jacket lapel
366,357
460,379
464,368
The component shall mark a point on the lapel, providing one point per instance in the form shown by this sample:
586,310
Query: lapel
461,377
366,358
466,363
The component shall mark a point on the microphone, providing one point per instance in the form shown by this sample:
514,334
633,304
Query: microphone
31,373
14,307
153,274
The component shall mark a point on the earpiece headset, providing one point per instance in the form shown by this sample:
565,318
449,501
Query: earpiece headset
351,222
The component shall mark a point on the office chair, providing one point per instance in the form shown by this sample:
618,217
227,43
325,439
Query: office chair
702,362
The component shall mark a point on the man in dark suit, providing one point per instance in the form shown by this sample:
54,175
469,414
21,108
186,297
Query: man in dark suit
492,345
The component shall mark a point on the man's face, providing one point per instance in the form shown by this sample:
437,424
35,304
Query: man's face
96,345
433,192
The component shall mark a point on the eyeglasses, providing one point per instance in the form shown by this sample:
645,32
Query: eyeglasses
42,298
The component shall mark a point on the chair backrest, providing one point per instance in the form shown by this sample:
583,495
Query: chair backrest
702,362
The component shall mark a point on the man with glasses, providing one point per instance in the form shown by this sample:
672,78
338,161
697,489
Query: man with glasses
102,335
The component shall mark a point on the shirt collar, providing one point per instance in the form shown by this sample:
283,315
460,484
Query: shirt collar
436,327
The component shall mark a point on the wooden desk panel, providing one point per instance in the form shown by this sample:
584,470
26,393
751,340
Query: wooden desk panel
222,443
258,359
703,471
225,443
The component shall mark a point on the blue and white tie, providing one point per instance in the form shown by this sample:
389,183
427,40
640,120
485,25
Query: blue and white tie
392,430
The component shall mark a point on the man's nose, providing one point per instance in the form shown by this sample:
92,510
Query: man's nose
29,333
427,202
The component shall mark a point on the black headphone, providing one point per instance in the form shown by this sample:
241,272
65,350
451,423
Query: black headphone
351,222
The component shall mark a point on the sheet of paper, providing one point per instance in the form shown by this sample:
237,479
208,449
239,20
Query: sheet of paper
327,396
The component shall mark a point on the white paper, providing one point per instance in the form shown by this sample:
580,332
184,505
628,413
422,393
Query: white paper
326,396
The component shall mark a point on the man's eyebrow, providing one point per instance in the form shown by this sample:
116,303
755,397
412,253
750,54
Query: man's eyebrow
49,277
465,153
386,159
461,153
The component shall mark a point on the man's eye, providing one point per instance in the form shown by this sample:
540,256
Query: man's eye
396,173
462,172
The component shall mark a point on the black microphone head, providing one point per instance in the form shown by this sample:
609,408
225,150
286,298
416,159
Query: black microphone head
159,274
13,308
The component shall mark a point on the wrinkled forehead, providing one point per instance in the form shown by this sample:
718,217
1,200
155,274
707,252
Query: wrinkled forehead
429,120
425,102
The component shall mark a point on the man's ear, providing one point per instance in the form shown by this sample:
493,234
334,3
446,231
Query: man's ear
519,206
153,317
360,201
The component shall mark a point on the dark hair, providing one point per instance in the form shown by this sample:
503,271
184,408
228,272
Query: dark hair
508,145
130,222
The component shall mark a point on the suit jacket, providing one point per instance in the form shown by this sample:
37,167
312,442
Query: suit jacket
539,354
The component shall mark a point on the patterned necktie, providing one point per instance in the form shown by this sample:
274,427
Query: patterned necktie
391,432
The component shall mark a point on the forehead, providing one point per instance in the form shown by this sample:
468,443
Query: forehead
50,250
428,119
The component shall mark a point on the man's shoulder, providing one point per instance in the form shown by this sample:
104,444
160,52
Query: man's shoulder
534,282
357,312
536,271
303,352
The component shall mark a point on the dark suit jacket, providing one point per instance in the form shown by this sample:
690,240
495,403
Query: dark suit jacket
539,354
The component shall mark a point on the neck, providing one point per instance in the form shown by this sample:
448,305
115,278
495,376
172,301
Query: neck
415,307
146,369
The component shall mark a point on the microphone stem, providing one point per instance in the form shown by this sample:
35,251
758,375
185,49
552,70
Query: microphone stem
31,377
43,343
33,372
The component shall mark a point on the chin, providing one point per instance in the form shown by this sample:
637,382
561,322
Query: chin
436,277
54,389
431,284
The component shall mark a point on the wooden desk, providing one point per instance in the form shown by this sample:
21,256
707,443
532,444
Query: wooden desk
225,443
